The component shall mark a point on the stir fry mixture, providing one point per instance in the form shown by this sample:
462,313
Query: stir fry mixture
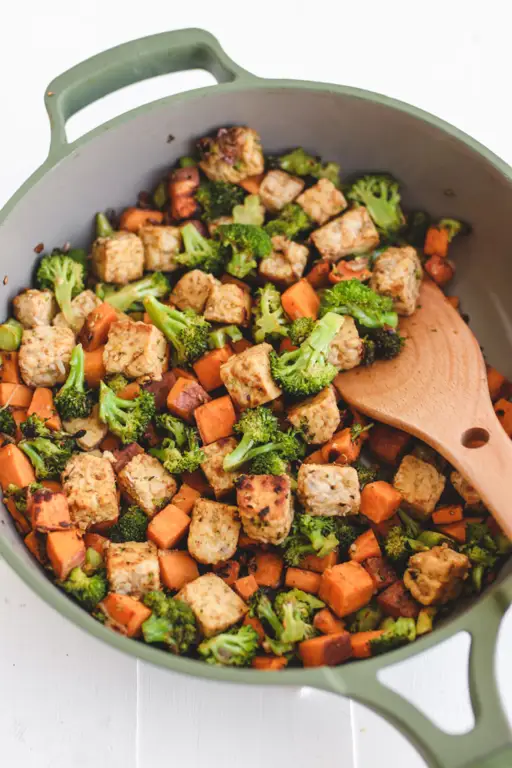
175,452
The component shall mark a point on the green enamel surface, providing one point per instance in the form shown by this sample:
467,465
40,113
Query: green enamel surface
489,744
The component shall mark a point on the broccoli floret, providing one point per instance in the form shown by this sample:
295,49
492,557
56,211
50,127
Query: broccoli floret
64,276
299,163
117,382
369,309
235,648
48,457
128,419
381,196
366,474
11,333
177,460
310,535
268,464
269,321
480,547
402,632
453,227
431,539
261,607
292,221
382,344
218,198
73,401
180,432
222,336
250,212
130,296
261,435
244,245
478,533
346,533
7,423
305,371
258,427
34,426
411,527
296,610
87,590
300,329
103,226
367,618
200,253
398,546
418,223
131,526
171,623
186,331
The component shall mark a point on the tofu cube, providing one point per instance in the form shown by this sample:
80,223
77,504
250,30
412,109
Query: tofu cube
33,308
265,506
420,484
221,481
90,487
347,348
437,576
135,350
286,263
350,234
214,531
215,605
161,244
44,355
81,305
278,189
247,377
228,303
95,430
132,568
464,489
233,155
397,273
329,489
322,201
318,417
192,291
118,259
147,483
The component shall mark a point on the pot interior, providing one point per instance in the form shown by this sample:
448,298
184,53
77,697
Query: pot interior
438,173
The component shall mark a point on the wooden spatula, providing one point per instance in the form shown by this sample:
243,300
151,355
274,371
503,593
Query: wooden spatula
437,390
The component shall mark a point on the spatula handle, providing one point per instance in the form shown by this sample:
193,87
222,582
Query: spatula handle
488,468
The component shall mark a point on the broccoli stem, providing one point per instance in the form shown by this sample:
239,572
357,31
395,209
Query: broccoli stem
10,335
76,377
103,226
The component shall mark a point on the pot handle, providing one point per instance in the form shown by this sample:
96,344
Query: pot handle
130,63
489,744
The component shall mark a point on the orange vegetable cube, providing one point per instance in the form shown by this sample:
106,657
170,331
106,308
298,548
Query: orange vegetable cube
307,581
125,614
15,395
327,623
207,368
319,564
49,511
360,641
387,443
15,467
346,588
246,586
267,569
503,409
365,546
269,663
379,501
185,397
66,550
177,568
301,300
186,498
215,419
42,405
9,368
168,527
326,650
453,513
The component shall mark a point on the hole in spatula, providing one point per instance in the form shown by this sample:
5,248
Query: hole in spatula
475,437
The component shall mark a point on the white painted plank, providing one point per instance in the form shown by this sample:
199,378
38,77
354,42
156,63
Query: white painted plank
224,724
66,699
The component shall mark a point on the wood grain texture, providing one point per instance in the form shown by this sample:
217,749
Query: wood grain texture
437,390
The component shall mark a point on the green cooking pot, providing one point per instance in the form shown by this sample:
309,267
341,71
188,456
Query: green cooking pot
442,170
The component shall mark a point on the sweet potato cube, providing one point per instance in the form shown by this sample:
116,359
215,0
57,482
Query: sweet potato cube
49,511
388,443
216,419
379,501
346,588
396,601
267,569
269,663
66,550
319,564
365,546
185,396
207,368
15,395
503,410
9,368
15,467
186,498
361,643
167,527
307,581
124,614
177,568
326,650
246,586
327,623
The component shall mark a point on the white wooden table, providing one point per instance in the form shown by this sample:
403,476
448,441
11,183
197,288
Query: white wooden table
68,700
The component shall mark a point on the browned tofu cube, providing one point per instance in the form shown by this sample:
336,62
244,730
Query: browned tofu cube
247,377
265,505
214,532
221,481
437,576
215,605
322,201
